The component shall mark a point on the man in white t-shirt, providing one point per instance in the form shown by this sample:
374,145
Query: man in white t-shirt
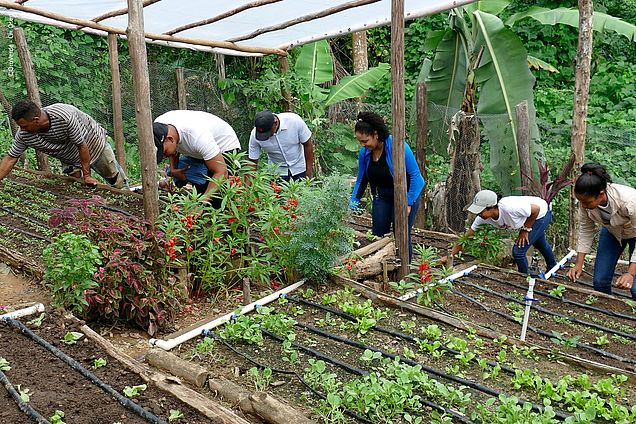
201,139
286,140
528,214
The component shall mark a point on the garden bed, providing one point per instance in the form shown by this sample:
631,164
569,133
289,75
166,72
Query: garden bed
53,385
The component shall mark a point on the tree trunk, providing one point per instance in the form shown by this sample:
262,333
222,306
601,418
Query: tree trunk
399,171
420,148
143,109
523,147
283,65
31,81
460,185
118,120
182,94
581,95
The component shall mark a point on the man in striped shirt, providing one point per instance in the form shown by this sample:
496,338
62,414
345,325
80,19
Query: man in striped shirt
68,134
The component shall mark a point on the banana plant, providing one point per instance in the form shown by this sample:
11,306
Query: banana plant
480,64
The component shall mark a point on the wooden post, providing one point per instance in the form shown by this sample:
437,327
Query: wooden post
523,147
283,65
182,99
581,95
247,291
399,170
421,123
118,120
359,52
31,84
143,111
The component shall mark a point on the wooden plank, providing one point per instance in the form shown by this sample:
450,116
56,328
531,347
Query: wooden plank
182,98
118,120
143,109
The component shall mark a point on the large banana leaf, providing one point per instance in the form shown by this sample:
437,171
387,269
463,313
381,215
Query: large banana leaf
445,79
356,85
601,22
491,6
505,81
314,63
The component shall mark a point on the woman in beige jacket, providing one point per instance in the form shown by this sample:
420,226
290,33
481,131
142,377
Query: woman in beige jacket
614,207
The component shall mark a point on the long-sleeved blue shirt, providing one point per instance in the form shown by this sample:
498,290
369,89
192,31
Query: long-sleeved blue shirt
414,177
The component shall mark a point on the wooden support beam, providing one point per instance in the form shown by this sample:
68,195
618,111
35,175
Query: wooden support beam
222,16
143,109
306,18
81,23
31,81
118,120
120,12
421,125
283,66
182,98
523,147
400,201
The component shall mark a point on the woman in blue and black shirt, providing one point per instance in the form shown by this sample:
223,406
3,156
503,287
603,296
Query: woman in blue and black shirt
375,167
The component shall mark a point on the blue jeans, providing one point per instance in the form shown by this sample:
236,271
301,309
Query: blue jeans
536,238
383,217
607,255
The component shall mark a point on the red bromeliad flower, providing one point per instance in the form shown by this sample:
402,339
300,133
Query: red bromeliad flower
277,230
232,252
275,187
231,219
424,266
425,278
251,209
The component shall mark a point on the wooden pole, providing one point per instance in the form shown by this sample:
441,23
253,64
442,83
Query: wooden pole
523,147
182,99
283,65
31,84
143,111
118,120
581,95
397,103
421,113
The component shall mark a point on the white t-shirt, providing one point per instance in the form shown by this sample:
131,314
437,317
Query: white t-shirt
201,134
513,212
285,147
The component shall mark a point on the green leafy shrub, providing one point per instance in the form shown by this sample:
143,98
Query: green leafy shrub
71,264
321,235
485,244
132,283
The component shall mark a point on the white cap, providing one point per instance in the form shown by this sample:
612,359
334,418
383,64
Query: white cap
484,199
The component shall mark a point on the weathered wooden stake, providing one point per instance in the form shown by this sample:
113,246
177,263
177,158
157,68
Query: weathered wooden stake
283,66
523,147
581,95
31,81
421,113
247,291
143,109
397,101
118,120
182,99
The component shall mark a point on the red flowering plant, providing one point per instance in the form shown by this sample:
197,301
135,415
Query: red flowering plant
131,283
244,238
486,244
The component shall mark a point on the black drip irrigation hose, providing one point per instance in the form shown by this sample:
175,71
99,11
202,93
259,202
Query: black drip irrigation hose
30,234
542,332
280,371
319,355
551,312
562,299
387,331
25,217
86,373
615,293
459,380
24,407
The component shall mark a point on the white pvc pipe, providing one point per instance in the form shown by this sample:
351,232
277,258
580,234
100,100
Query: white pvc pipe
526,315
451,278
559,265
169,344
24,312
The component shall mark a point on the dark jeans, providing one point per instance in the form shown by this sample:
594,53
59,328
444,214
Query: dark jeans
383,217
607,255
536,238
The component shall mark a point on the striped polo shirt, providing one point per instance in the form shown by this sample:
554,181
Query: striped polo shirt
70,127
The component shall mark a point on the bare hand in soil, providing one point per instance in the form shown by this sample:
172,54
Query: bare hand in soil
625,281
179,173
574,273
90,181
